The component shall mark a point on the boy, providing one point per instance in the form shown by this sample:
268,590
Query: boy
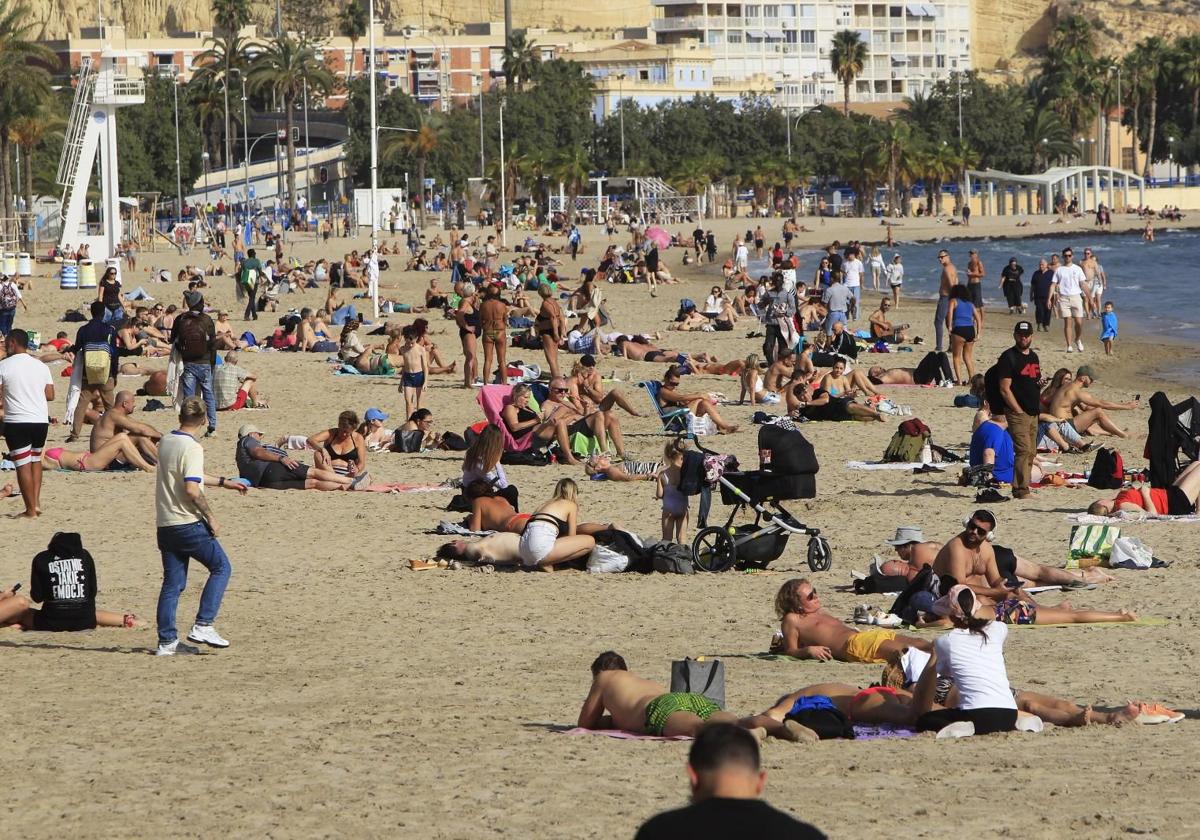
1108,327
414,362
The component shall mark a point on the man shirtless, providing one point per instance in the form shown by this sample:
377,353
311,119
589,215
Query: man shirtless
948,281
587,389
883,329
781,372
698,404
968,559
638,705
808,632
639,349
594,421
1087,415
119,420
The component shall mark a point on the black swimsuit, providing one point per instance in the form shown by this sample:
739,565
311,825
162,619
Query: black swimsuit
562,525
350,457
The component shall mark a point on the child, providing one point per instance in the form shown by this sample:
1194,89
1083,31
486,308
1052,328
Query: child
674,503
414,362
1108,328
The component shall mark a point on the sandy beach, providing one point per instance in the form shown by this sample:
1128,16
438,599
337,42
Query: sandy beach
360,699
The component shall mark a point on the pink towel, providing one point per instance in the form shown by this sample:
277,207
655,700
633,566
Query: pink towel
493,399
624,735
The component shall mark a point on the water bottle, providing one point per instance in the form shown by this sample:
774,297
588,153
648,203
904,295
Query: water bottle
926,453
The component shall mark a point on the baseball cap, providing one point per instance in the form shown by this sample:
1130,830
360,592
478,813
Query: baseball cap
1023,327
906,534
1085,370
374,414
248,429
948,604
587,360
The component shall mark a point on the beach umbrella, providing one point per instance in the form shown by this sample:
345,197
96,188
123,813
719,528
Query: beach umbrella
659,237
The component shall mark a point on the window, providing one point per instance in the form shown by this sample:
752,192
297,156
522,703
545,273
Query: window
771,11
808,36
787,10
693,77
644,75
753,11
808,10
941,61
474,58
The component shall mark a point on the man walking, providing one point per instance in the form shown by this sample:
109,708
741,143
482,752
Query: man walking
195,339
1018,371
187,529
27,387
1067,291
948,281
98,378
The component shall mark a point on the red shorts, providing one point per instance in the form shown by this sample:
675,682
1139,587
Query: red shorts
240,402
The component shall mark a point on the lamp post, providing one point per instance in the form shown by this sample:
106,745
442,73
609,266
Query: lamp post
225,94
245,147
1082,150
307,159
178,174
503,185
479,80
621,114
787,113
204,161
1170,157
374,127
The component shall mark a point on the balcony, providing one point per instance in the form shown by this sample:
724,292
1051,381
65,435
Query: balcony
119,90
691,23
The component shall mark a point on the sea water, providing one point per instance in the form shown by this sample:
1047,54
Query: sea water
1154,286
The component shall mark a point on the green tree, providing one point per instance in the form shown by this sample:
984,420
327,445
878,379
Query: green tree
418,145
229,16
1048,138
1152,53
24,88
571,168
521,59
847,57
214,69
146,136
352,24
289,66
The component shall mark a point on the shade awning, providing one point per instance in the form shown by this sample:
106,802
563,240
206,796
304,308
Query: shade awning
755,33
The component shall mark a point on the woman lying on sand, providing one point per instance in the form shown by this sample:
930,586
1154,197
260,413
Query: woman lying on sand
117,449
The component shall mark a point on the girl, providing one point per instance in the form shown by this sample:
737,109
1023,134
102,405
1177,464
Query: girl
964,322
895,279
674,503
876,267
752,384
550,536
1108,328
482,472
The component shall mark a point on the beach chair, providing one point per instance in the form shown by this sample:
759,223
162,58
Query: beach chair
493,399
674,420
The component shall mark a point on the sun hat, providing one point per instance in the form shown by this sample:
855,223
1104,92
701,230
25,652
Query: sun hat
948,604
374,414
906,534
248,429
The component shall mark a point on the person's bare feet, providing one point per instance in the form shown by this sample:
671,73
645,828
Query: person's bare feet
1094,574
799,733
6,491
1128,615
1127,714
727,430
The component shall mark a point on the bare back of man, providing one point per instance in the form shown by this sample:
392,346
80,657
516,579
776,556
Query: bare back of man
117,420
893,376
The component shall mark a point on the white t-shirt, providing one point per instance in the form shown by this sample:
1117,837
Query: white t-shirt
976,664
8,287
714,304
1070,280
895,274
24,380
180,460
852,272
743,253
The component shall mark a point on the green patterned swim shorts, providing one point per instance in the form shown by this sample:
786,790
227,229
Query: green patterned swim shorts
663,706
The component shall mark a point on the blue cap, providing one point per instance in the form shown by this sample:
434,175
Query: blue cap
375,414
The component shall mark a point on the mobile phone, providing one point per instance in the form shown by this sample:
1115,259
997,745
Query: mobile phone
1137,397
16,588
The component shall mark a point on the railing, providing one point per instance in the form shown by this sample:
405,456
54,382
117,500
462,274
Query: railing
73,142
110,88
675,24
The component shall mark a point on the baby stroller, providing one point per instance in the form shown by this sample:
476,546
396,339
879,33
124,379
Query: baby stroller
789,467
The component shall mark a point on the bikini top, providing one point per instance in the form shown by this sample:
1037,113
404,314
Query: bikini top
350,457
551,519
524,415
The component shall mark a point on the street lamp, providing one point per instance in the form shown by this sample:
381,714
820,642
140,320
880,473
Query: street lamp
787,113
178,174
245,145
503,185
1079,140
204,160
620,114
225,94
479,81
1170,157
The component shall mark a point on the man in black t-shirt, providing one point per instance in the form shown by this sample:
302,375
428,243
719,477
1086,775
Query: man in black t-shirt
1018,371
727,779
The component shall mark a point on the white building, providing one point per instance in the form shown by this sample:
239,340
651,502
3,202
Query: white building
909,45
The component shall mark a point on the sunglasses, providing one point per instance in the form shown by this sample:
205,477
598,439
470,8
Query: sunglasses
811,596
978,529
560,390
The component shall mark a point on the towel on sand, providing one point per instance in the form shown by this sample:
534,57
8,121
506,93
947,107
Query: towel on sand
624,735
1127,516
872,465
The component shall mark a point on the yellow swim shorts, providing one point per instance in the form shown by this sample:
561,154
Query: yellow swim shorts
864,645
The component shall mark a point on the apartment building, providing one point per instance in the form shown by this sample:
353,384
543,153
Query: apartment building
910,45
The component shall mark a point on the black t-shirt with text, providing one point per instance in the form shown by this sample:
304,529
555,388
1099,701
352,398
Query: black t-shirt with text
64,582
1024,369
720,819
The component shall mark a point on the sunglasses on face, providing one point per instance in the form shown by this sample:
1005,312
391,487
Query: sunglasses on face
811,596
978,529
559,390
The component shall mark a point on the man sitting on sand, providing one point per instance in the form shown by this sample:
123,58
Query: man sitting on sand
639,705
118,420
236,388
1074,412
969,559
811,633
270,468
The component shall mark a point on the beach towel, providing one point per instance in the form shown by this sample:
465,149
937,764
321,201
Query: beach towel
1129,516
351,370
874,733
1151,621
624,735
873,465
400,487
453,529
492,399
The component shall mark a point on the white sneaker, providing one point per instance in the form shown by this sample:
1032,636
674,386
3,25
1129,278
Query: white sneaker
959,729
1070,349
1027,722
207,634
884,619
1079,345
172,648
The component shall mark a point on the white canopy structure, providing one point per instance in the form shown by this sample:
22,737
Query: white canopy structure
1091,185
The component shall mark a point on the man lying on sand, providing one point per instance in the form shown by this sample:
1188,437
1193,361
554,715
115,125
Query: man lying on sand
969,559
639,705
811,633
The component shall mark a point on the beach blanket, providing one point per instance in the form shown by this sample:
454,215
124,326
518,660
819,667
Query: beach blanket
1127,516
874,733
874,465
624,735
351,370
400,487
1151,621
446,528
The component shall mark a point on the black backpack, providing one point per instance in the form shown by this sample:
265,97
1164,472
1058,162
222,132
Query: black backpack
192,338
1108,470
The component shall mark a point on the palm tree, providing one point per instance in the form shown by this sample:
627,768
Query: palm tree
352,24
1186,64
695,175
514,165
230,16
1135,72
289,66
418,145
1105,69
24,89
1153,52
893,147
1049,138
28,132
521,59
213,69
571,167
937,165
758,176
847,58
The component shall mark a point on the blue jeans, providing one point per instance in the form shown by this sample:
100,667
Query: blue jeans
343,314
857,292
834,318
6,320
939,322
199,375
114,313
177,544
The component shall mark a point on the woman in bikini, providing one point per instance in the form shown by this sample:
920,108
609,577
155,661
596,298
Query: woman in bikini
839,384
341,449
117,448
467,318
521,420
369,359
550,326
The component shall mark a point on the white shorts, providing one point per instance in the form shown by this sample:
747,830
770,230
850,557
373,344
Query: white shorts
1070,306
537,541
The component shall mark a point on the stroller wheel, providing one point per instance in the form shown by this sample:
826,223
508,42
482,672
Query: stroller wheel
713,550
820,555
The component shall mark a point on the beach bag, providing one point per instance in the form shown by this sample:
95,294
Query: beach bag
1088,541
97,364
699,676
1108,470
1130,553
8,295
671,558
454,442
605,560
697,426
903,449
249,279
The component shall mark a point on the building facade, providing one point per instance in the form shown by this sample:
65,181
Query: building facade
909,45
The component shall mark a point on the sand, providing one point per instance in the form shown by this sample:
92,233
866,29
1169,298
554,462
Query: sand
360,699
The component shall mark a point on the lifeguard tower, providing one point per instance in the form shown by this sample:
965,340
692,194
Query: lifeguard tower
92,131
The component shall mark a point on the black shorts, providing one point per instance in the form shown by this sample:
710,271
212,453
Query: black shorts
965,333
279,477
581,427
975,290
1178,504
986,721
25,436
64,620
